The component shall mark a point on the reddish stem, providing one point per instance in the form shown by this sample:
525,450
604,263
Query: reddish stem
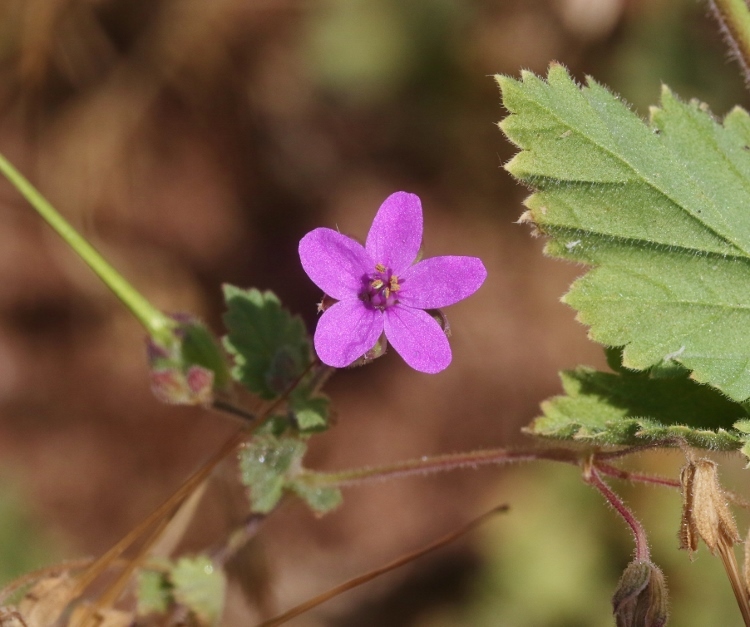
438,463
613,471
642,553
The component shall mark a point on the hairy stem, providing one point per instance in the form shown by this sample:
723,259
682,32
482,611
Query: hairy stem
642,553
612,471
734,20
438,463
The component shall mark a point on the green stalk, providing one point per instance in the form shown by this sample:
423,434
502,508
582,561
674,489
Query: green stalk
157,324
734,18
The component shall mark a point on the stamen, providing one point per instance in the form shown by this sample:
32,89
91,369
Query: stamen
377,284
387,292
395,287
380,267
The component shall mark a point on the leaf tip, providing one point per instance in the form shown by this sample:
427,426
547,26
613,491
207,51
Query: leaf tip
527,218
504,81
557,72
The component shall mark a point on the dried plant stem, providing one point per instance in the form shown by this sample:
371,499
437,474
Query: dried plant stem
357,581
642,553
729,560
42,573
113,591
163,514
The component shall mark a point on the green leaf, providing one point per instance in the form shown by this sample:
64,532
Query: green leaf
265,465
320,500
269,345
271,465
201,587
154,592
310,412
661,210
630,409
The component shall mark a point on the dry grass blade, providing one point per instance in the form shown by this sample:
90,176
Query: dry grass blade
166,510
357,581
35,576
160,518
158,543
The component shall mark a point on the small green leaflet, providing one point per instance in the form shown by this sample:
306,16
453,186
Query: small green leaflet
154,592
200,586
660,210
193,582
627,409
271,465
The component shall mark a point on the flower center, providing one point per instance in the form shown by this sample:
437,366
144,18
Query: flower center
380,288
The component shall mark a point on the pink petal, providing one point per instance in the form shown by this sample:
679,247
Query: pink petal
335,263
441,281
396,232
346,331
417,338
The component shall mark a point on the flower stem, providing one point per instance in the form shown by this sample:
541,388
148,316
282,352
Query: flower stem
734,20
157,324
642,553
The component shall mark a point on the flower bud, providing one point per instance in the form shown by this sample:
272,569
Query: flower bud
641,596
191,368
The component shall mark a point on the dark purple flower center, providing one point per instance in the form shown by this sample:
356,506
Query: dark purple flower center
380,288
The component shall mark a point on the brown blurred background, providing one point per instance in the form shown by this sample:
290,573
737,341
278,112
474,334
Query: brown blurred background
194,143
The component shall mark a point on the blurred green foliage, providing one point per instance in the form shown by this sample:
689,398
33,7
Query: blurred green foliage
674,42
554,560
24,543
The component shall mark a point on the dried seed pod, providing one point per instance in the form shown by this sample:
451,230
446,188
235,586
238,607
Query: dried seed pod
705,513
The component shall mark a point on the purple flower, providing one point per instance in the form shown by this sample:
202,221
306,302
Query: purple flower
379,290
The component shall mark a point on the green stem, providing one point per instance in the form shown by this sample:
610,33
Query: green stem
734,18
158,325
